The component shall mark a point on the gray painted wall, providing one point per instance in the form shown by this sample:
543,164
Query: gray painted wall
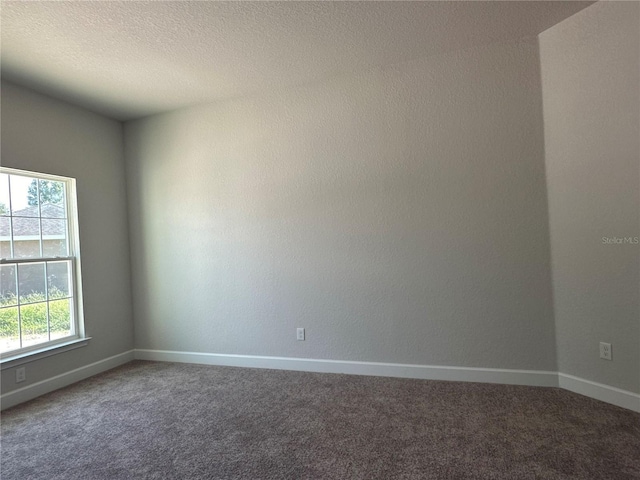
399,215
46,135
591,86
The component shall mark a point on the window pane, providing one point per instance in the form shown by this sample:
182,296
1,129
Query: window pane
59,279
33,319
31,282
5,237
4,194
8,285
24,196
54,238
26,237
60,318
9,332
52,197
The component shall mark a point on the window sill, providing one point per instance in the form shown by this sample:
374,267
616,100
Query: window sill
34,355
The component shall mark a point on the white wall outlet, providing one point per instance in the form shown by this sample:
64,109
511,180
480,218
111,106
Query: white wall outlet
299,333
605,350
21,374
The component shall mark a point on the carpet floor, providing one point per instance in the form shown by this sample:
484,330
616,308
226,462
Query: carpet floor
151,420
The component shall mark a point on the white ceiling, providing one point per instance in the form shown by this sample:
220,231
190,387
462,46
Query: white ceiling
131,59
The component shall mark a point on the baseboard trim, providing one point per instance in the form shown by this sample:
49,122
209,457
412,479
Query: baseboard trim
424,372
599,391
37,389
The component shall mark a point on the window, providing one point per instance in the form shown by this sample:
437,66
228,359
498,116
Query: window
39,266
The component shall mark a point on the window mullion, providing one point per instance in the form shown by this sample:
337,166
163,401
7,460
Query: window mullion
40,218
35,260
46,296
18,300
70,212
72,291
10,220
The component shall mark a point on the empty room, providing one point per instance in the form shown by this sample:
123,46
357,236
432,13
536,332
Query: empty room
320,240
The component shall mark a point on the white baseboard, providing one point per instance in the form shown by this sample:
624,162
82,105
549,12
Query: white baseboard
424,372
536,378
34,390
599,391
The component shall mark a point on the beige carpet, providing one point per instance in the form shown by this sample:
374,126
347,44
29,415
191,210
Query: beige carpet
176,421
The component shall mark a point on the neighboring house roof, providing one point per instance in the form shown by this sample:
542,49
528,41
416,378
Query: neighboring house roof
26,224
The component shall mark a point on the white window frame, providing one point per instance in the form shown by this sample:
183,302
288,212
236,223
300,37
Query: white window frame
78,336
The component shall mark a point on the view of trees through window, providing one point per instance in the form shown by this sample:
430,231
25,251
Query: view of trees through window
36,273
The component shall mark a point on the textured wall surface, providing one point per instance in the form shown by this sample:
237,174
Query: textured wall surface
399,215
45,135
591,85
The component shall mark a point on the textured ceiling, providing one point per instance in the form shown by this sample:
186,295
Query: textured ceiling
132,59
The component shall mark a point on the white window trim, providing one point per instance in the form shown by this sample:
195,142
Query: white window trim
79,338
28,357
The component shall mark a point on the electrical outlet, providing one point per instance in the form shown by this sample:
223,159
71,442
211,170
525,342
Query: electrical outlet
605,351
299,333
21,374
